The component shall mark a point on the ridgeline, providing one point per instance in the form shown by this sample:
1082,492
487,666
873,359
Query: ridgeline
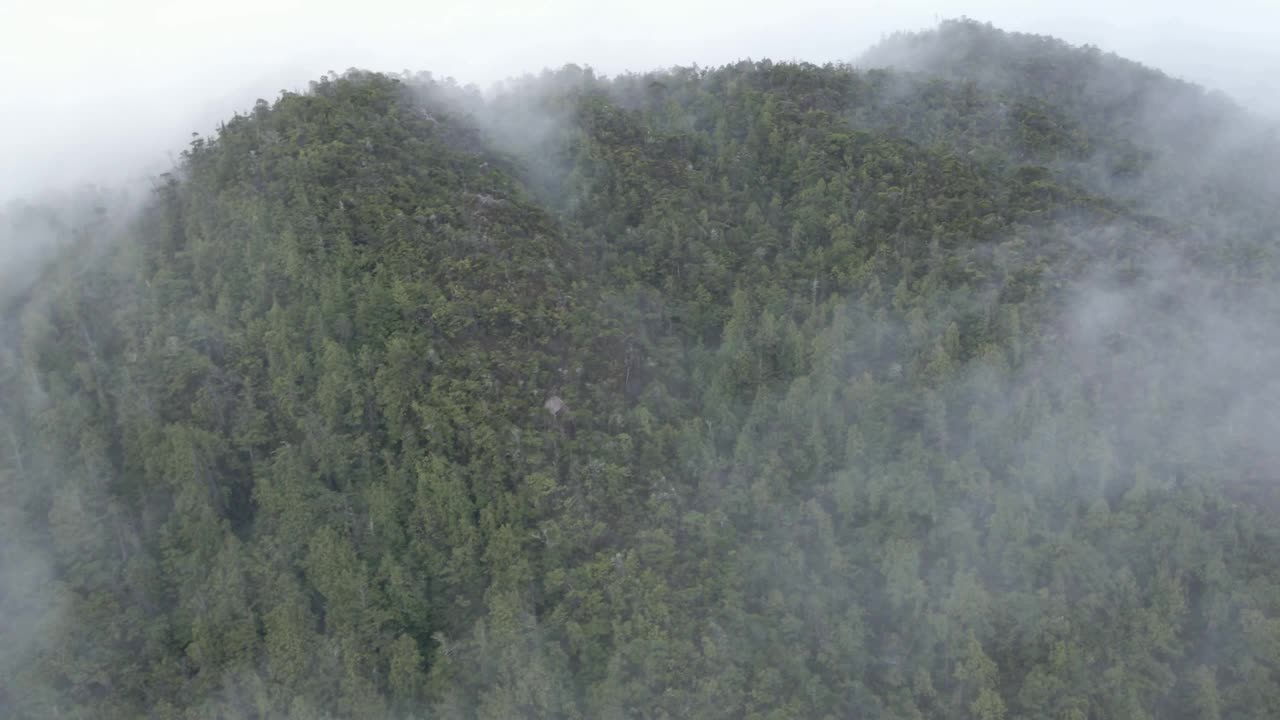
763,391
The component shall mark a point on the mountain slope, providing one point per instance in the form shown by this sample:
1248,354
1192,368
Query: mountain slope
771,390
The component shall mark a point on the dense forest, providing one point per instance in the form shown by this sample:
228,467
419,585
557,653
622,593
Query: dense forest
941,385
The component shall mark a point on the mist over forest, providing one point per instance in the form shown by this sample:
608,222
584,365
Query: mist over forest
936,384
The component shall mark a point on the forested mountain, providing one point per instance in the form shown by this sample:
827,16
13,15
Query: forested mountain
943,390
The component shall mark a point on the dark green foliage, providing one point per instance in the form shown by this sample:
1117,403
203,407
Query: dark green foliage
769,391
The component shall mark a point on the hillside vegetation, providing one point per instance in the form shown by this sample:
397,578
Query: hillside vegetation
771,390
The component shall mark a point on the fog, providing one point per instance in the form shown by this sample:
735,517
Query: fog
106,91
111,92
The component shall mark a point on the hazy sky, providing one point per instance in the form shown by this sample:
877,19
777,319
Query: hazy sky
100,89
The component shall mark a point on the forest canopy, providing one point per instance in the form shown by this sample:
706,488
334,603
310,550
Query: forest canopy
941,385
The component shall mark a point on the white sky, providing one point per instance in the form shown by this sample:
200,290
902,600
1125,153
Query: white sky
98,90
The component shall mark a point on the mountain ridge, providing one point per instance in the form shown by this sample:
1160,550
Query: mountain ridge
769,390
